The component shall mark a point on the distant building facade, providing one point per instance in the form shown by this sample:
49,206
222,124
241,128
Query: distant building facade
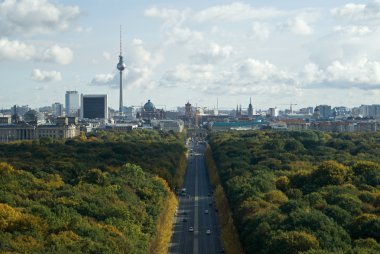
325,111
370,110
28,131
169,125
94,107
273,112
57,109
72,103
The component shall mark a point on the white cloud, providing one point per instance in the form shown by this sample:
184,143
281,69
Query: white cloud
349,10
297,25
253,70
192,76
58,54
363,74
171,16
35,16
259,31
345,44
353,30
360,72
213,53
359,12
15,50
181,35
173,29
41,88
45,76
310,74
103,79
107,55
235,12
81,29
250,76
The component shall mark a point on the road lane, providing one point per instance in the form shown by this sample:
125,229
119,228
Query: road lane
193,208
196,215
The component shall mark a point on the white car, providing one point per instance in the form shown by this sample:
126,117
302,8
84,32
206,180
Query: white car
206,211
208,232
191,229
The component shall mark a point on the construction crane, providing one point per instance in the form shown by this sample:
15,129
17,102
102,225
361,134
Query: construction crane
290,106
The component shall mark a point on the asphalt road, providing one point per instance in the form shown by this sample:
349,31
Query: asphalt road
192,211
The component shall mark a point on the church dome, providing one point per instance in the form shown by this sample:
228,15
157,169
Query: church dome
149,106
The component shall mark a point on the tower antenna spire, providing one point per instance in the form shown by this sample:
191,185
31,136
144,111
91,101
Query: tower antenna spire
121,44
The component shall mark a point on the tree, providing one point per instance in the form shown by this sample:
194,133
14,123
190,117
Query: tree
366,226
367,172
331,173
5,168
293,242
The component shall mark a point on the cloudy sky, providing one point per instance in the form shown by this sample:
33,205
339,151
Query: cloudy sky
277,52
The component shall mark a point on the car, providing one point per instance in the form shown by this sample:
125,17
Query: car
206,211
191,229
208,232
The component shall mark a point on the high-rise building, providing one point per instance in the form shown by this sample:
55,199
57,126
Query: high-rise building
364,110
72,103
94,106
370,110
374,110
57,109
325,111
273,112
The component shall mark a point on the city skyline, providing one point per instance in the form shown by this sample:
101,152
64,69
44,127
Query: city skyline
276,53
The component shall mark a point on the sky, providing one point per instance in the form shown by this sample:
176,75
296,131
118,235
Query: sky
276,52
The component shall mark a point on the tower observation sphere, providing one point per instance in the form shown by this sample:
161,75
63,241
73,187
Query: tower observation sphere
121,65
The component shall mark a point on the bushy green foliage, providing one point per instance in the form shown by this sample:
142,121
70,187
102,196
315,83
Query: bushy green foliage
88,195
302,192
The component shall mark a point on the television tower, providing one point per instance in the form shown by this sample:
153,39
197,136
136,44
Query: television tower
121,66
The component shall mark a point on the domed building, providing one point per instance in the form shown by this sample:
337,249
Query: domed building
149,112
149,106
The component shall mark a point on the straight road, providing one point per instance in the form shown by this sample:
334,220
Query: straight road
196,209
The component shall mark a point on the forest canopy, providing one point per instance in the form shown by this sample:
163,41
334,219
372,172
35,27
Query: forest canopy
302,192
98,194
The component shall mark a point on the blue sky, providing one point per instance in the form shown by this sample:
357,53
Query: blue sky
277,52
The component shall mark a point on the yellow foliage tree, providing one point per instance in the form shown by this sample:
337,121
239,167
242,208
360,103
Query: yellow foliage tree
5,168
